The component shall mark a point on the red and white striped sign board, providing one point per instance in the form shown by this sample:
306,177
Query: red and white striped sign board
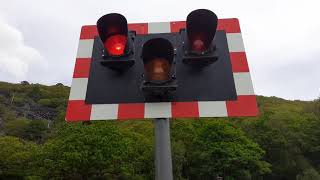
245,105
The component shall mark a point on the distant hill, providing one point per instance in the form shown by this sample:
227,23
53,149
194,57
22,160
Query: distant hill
36,143
34,101
24,102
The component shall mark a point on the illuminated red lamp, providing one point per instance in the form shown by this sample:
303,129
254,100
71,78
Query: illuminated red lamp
115,45
117,52
113,32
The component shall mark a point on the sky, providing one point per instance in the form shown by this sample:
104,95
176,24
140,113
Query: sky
39,39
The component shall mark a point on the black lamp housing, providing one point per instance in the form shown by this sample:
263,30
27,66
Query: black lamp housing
116,24
153,87
198,45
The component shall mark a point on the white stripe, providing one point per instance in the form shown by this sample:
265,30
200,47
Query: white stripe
157,110
212,109
78,89
159,27
104,111
235,42
243,83
85,48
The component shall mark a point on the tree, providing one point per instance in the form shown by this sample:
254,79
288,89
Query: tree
218,148
35,93
96,150
36,130
309,174
16,127
15,157
288,132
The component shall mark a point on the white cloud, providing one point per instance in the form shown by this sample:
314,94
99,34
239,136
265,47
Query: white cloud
15,56
287,34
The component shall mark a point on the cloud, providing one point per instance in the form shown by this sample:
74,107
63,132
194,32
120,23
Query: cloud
16,57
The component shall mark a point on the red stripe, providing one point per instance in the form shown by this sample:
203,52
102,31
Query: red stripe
184,109
82,68
77,110
229,25
140,28
239,62
243,106
88,32
175,26
131,111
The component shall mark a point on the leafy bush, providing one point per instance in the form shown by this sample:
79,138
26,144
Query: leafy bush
2,99
45,102
97,150
309,174
27,129
35,93
53,102
218,148
17,127
15,157
36,130
18,101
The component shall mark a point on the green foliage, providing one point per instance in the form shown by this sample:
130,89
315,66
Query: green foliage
288,134
36,130
15,157
2,99
18,101
17,127
6,114
97,150
53,102
35,93
220,149
26,129
2,110
50,92
23,93
309,174
314,107
44,102
281,144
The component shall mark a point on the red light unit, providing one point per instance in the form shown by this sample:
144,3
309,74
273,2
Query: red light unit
116,44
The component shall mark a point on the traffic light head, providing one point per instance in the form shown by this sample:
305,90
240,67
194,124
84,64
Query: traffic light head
157,57
199,48
113,31
201,28
159,71
116,40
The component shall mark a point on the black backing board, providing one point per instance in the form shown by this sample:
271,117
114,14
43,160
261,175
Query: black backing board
212,83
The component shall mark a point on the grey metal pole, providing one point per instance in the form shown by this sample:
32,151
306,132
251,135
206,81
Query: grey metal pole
163,161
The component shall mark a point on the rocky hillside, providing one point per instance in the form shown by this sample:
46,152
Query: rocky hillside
25,103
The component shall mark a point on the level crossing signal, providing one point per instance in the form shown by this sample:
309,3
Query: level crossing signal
159,54
178,69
